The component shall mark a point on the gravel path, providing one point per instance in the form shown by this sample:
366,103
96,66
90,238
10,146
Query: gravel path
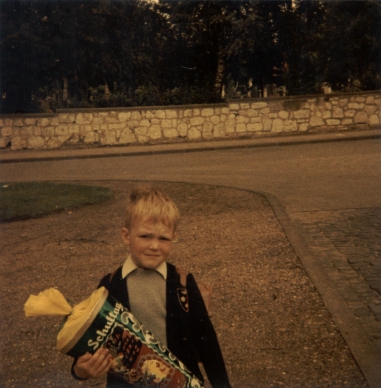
273,327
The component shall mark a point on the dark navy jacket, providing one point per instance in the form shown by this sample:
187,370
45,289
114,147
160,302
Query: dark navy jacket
190,335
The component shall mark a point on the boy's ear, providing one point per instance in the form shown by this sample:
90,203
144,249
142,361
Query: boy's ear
125,236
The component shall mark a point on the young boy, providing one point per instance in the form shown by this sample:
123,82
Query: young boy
154,292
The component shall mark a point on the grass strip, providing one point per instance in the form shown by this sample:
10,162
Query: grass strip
24,200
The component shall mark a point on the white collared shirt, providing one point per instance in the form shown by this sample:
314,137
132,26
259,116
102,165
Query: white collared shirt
130,266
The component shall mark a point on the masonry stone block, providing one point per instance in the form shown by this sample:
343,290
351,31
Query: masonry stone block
194,121
43,122
219,130
267,123
47,131
107,138
240,128
301,114
343,102
115,127
139,131
284,115
124,116
194,134
230,126
171,114
154,132
84,118
133,123
18,143
316,122
251,113
234,107
52,144
207,130
64,138
258,127
188,113
150,115
374,120
144,123
18,123
355,105
303,127
259,105
91,138
347,121
207,112
242,120
277,125
26,131
326,114
361,118
290,126
255,120
337,112
333,122
61,130
136,115
328,105
215,120
159,114
370,109
196,112
166,123
182,129
350,113
225,111
4,142
170,133
6,131
75,138
30,121
127,136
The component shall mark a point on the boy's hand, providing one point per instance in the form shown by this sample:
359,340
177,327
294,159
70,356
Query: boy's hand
88,366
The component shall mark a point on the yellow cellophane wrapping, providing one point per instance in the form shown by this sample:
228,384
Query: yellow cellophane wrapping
48,302
80,319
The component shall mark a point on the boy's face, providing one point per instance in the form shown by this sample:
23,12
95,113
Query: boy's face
149,243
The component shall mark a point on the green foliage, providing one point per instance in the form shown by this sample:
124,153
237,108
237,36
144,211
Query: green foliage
30,200
63,54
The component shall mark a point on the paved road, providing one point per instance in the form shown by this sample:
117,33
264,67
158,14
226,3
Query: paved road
326,196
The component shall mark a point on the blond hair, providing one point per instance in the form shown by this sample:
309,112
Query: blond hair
149,203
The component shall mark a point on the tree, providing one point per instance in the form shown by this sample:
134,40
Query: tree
352,44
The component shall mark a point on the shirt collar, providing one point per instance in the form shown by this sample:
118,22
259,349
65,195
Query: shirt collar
130,266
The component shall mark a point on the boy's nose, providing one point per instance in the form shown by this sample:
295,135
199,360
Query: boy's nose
154,244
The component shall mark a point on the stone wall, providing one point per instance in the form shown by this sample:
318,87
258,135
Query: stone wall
237,118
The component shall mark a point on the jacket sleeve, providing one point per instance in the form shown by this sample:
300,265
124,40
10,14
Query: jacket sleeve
205,338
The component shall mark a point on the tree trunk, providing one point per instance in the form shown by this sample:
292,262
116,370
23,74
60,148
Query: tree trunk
218,84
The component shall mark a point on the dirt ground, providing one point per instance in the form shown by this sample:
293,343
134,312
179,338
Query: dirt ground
272,324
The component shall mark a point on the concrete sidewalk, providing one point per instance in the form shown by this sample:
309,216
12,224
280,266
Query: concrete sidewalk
8,156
